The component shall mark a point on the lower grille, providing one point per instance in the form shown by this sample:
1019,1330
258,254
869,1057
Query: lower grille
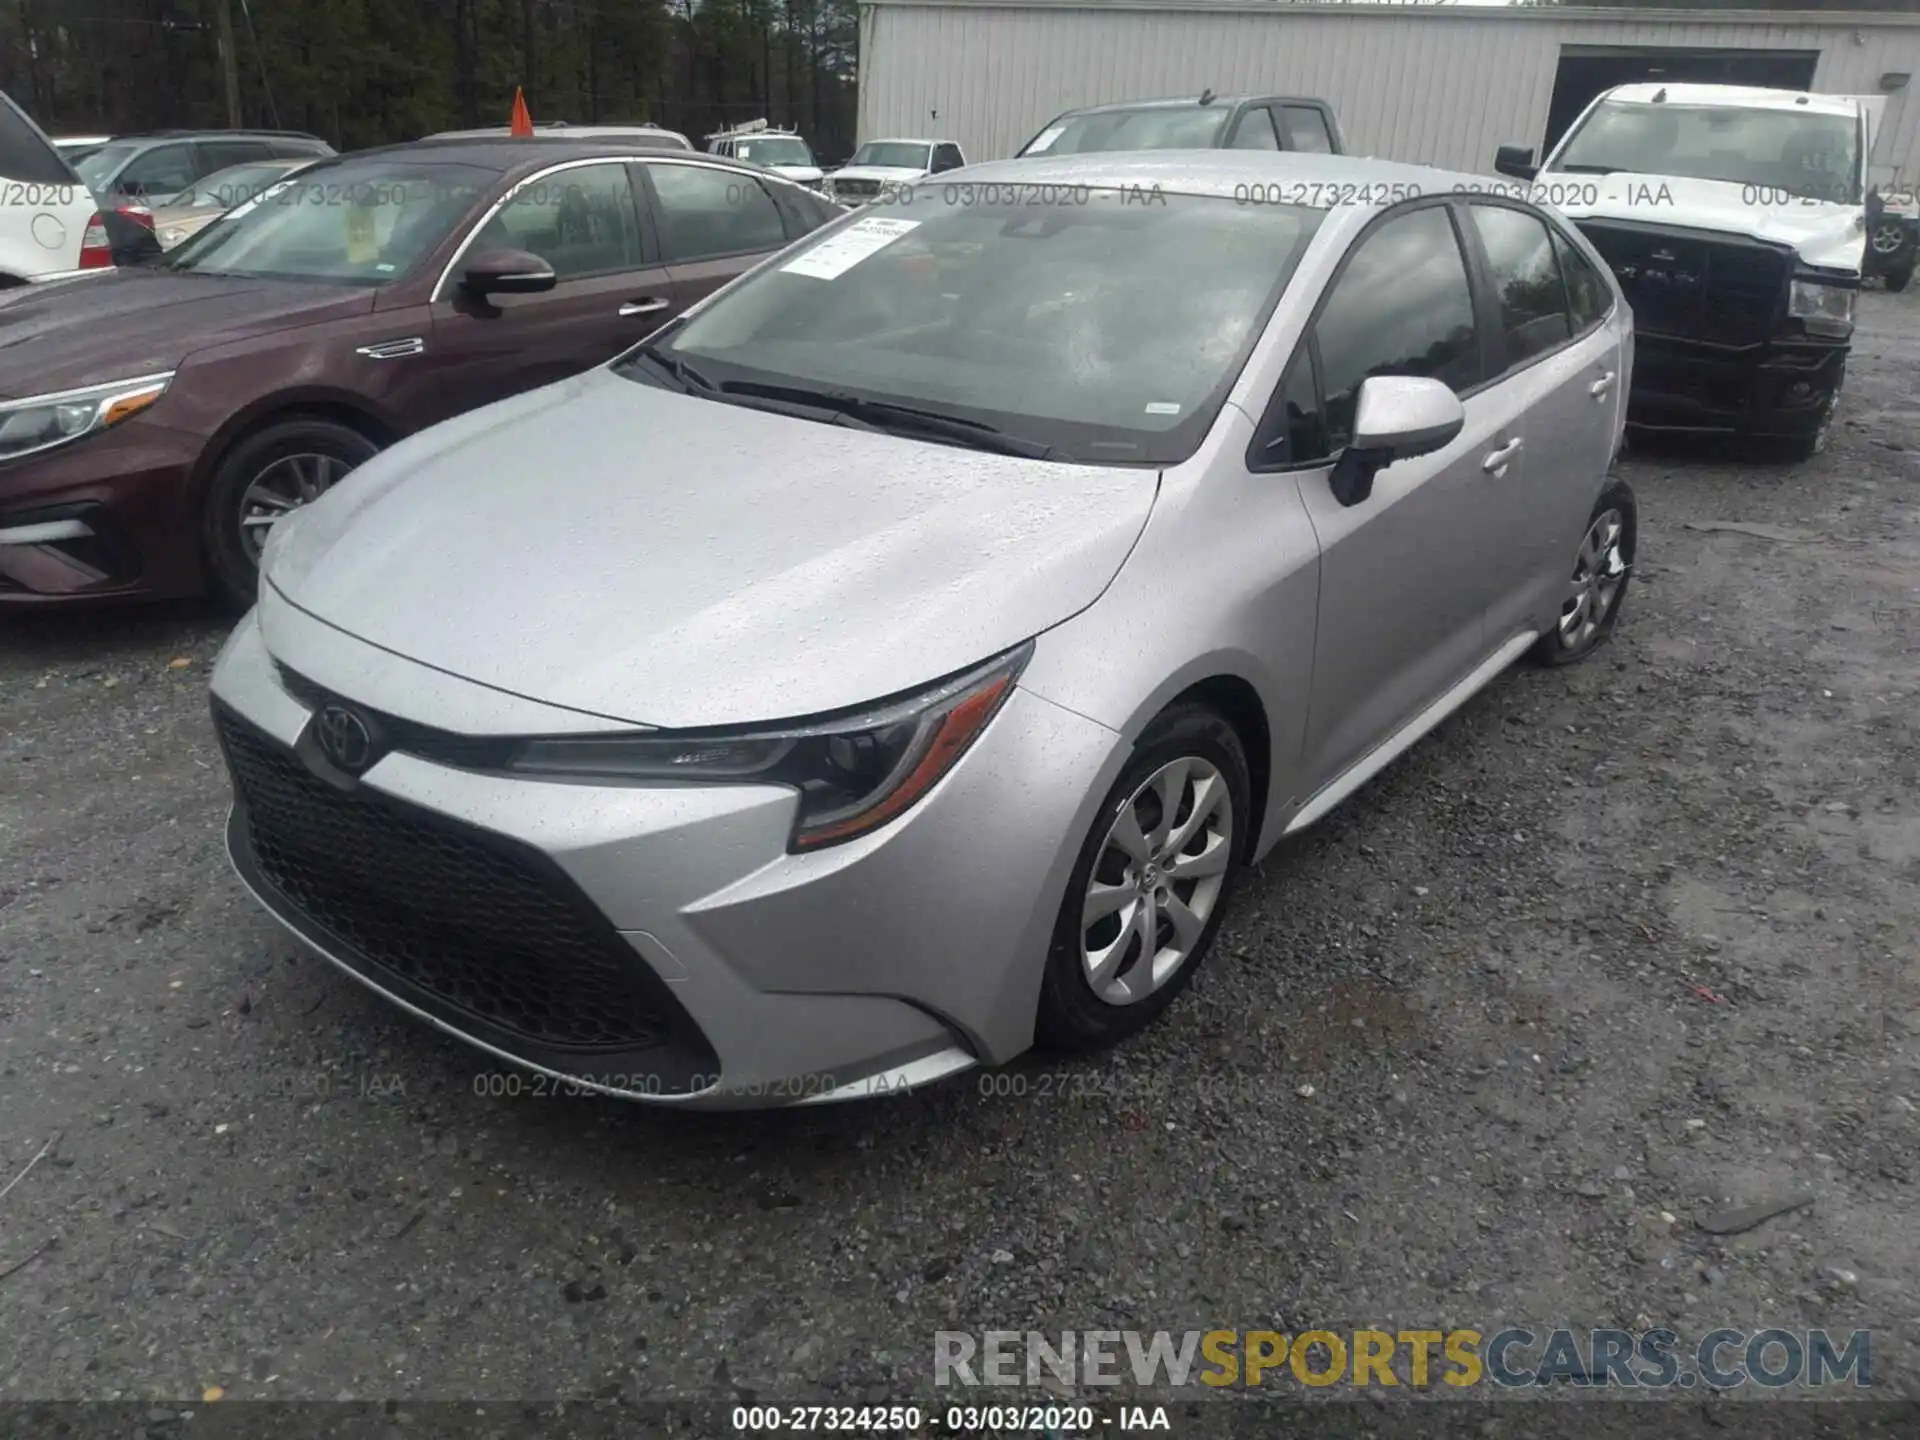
859,189
489,929
1721,290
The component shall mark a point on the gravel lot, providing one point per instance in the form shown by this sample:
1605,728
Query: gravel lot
1617,948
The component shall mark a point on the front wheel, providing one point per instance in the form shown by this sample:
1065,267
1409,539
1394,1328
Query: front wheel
270,474
1602,566
1151,884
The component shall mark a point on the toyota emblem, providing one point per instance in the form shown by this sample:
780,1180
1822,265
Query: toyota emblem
344,738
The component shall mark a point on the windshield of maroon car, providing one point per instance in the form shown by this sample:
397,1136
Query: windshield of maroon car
1785,152
1154,127
364,222
1106,323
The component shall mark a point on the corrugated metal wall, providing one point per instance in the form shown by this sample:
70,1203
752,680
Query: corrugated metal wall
1444,87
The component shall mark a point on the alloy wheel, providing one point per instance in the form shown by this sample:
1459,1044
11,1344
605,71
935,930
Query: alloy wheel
1156,881
1599,570
282,487
1888,237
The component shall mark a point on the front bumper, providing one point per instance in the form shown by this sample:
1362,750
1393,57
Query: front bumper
872,967
108,517
1782,389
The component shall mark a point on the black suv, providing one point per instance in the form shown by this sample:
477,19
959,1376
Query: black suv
151,168
1210,122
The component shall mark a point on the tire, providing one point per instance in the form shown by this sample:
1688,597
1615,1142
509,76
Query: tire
1074,1014
1610,538
1897,280
1802,448
298,459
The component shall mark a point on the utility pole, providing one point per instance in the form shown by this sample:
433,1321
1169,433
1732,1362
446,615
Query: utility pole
229,60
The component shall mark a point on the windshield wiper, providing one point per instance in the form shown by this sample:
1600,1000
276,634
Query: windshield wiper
886,415
681,373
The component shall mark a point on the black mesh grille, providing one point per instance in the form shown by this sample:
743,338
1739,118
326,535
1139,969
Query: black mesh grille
488,928
1724,292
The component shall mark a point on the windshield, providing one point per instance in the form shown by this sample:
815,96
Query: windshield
903,154
97,167
226,188
1107,330
774,150
1816,156
1159,127
359,222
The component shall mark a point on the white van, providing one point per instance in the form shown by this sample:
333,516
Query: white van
49,221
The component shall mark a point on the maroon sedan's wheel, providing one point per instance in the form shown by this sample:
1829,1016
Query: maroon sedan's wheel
269,474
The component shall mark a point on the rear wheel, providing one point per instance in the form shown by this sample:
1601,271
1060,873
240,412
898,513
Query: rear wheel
1897,280
1598,588
1151,884
269,474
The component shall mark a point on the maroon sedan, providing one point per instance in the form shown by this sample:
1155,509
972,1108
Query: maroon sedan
155,422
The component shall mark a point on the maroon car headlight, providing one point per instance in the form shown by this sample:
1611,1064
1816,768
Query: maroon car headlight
854,774
40,422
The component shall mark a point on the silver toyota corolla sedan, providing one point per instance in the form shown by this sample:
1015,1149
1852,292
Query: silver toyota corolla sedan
896,660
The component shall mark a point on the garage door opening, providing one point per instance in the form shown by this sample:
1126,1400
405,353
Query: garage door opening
1586,70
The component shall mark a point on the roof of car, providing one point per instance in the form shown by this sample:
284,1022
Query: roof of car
503,153
1746,97
569,132
1190,101
1316,181
903,140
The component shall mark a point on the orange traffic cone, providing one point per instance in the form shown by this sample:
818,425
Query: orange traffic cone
522,123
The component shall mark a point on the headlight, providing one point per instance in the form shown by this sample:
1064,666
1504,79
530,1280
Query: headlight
854,774
1827,309
41,422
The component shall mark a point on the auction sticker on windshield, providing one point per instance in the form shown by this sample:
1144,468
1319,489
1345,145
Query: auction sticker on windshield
833,257
1044,139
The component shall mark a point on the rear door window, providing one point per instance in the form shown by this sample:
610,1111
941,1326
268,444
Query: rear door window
705,212
219,154
1588,298
1306,129
1526,278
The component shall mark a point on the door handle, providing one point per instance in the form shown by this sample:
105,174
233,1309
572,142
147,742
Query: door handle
1497,460
643,307
1599,388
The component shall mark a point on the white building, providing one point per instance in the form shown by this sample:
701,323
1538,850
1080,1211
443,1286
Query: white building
1442,85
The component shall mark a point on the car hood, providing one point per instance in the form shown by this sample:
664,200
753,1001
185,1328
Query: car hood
67,333
665,560
800,174
882,173
1823,233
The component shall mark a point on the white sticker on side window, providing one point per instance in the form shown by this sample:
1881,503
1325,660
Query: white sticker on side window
1044,140
1164,407
834,256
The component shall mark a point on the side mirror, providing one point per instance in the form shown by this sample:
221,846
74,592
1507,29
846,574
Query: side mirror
1397,417
1517,161
507,272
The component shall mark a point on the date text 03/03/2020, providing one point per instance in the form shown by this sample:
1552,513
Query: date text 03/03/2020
972,1420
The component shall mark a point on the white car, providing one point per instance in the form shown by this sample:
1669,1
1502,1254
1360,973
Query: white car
781,151
879,167
49,222
1735,220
